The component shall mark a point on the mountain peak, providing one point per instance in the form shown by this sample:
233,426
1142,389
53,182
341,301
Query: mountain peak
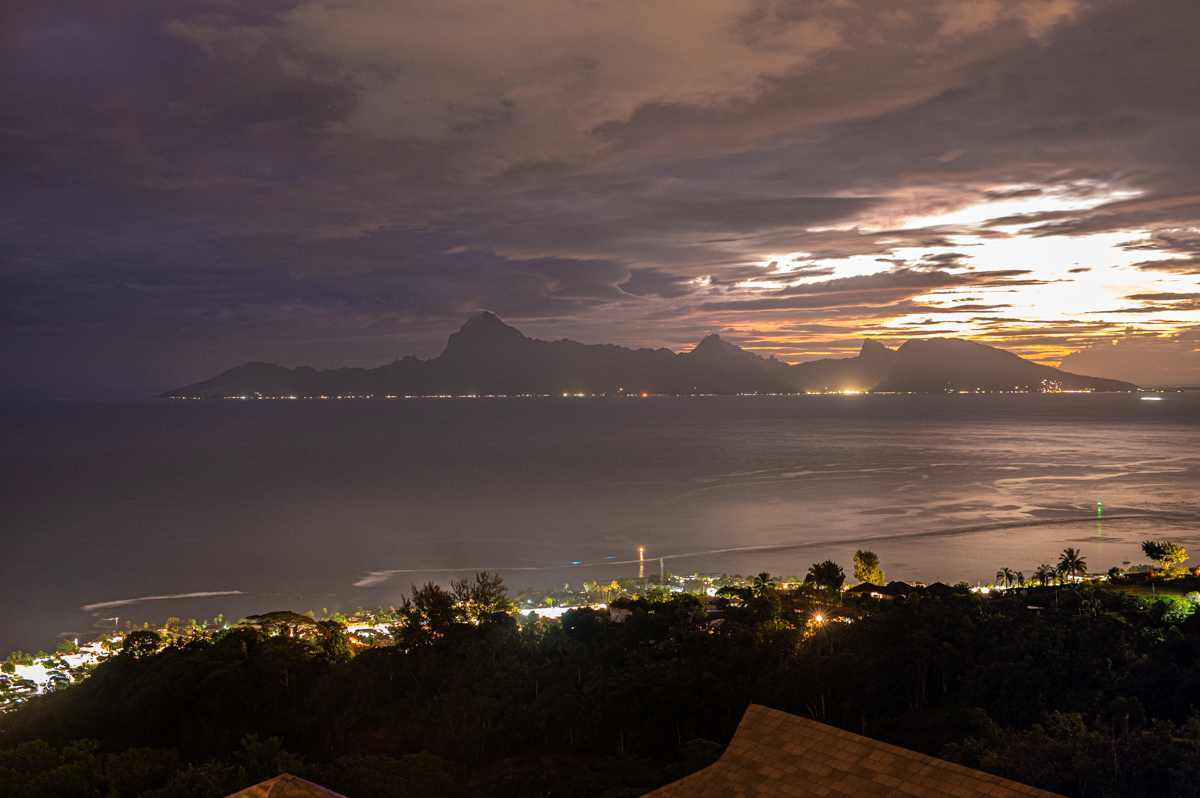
872,348
487,325
715,349
715,352
486,322
713,343
483,332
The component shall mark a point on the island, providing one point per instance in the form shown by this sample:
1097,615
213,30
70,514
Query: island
490,358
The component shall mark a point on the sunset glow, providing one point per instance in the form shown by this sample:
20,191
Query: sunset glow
1081,293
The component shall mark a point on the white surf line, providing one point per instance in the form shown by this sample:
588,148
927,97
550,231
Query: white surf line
378,577
125,602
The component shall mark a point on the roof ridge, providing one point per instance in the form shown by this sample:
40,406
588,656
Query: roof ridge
286,785
777,752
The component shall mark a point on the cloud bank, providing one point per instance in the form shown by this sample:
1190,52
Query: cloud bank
189,186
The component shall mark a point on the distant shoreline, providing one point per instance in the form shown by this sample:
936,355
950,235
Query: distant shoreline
28,675
654,395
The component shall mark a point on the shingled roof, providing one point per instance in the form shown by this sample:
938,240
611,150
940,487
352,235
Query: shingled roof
774,753
286,786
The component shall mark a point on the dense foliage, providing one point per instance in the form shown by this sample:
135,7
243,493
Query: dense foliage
1095,694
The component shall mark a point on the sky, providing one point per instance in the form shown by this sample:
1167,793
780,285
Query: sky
191,185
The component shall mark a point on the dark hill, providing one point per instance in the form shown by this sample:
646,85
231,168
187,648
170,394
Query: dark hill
941,364
955,364
862,373
488,357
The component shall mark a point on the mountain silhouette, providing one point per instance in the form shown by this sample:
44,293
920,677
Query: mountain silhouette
488,357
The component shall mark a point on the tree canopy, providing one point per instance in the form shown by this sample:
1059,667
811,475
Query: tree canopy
1165,553
764,581
866,567
1089,696
483,597
1072,563
828,575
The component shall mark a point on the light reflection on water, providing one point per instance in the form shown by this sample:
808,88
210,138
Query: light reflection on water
312,505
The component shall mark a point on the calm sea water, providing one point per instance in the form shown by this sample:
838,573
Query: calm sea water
340,504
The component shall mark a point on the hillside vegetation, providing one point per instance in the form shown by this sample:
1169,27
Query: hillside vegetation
1096,694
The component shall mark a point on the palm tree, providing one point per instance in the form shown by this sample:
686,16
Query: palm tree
1020,579
1072,563
1043,574
1006,576
763,581
827,575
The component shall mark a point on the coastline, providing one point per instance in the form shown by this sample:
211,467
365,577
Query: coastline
25,676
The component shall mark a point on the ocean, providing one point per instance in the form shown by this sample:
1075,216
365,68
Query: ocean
138,511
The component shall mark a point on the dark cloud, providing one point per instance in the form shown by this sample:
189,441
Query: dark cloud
752,215
906,280
198,182
651,282
1180,246
1144,309
1184,241
1009,283
1172,265
945,260
972,307
1012,193
1163,297
880,289
815,271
